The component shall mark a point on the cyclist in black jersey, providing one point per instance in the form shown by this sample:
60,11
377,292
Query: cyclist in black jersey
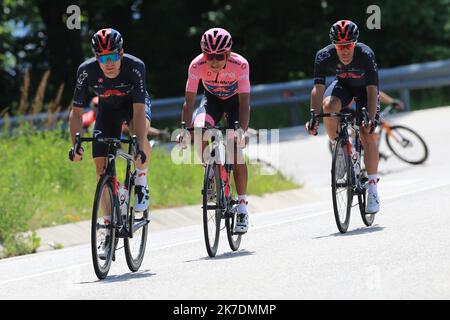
118,80
356,73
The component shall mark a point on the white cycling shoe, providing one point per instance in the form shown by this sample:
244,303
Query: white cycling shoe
373,203
211,192
141,198
102,253
241,220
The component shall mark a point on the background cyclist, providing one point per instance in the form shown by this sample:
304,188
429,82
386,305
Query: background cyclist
356,73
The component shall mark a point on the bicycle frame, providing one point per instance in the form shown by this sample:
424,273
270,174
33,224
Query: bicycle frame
113,152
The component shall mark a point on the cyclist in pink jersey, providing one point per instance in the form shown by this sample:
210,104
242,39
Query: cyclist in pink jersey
225,77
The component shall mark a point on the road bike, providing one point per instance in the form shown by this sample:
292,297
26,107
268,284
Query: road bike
113,216
220,204
347,177
404,143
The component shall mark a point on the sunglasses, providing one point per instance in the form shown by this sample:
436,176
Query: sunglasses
113,57
213,56
348,46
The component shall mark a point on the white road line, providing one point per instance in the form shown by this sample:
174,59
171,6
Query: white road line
399,195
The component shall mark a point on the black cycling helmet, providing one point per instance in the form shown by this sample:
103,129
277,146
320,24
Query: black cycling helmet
344,31
106,41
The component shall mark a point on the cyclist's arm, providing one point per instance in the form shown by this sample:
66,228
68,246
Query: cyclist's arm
317,93
318,90
75,121
371,83
372,100
188,107
385,98
139,123
78,101
138,95
244,110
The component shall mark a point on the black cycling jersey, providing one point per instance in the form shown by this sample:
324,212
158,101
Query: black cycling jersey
127,88
116,97
362,71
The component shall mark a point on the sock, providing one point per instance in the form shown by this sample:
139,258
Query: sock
373,183
242,201
242,198
141,177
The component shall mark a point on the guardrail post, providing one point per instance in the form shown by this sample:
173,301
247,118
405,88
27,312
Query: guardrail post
295,114
404,96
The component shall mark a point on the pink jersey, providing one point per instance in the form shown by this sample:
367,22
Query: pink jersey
233,79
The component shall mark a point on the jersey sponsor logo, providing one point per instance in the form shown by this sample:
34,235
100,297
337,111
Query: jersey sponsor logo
234,62
82,77
139,74
322,56
221,82
112,92
222,91
228,74
350,75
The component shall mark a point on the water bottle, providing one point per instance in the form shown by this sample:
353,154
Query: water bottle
122,192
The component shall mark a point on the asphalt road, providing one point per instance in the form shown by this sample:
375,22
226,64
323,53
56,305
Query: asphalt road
294,253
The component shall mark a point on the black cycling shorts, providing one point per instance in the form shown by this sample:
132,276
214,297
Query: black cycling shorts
216,107
108,124
348,95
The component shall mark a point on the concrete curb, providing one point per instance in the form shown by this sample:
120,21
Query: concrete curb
79,233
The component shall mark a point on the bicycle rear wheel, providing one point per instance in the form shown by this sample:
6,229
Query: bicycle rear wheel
341,185
103,234
212,209
234,239
406,144
135,246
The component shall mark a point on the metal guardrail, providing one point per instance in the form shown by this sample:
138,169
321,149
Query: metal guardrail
402,78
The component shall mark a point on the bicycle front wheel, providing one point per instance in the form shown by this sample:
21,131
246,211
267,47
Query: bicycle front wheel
341,185
212,208
102,232
406,144
135,246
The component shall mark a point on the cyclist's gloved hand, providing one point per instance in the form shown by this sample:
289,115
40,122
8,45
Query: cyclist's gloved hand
142,156
76,156
373,124
241,138
398,104
183,139
312,129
